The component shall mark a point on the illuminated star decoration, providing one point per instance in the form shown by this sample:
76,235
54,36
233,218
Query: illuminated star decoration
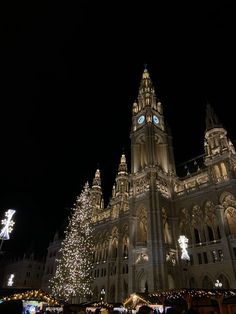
8,224
10,280
183,243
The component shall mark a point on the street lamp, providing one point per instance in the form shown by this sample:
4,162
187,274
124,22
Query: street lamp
103,292
218,284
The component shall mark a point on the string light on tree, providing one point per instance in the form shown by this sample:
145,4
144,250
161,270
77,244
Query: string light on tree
8,224
183,243
73,276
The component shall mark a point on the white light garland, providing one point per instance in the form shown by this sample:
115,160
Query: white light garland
73,274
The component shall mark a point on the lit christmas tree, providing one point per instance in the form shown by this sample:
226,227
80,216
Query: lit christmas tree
73,271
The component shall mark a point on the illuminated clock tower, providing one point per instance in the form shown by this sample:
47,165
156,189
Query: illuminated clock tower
151,144
152,173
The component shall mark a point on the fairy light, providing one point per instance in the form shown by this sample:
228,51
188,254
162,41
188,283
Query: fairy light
176,295
74,264
38,295
183,243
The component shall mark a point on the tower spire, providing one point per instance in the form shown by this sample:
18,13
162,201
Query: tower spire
97,179
97,198
216,144
147,95
123,165
212,120
155,146
122,180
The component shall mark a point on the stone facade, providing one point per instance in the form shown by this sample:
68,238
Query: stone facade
23,272
50,264
137,234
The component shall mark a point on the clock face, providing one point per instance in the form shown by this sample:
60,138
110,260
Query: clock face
141,119
155,119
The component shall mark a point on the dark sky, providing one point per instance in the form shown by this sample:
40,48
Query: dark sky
70,72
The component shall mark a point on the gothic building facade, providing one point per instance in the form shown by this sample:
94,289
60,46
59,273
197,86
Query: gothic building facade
23,272
137,235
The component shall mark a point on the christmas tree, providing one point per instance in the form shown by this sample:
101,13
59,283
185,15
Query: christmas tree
74,264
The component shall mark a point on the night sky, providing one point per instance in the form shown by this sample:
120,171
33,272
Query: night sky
70,73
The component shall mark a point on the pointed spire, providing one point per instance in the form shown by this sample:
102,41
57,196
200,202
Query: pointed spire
146,96
146,83
212,120
97,178
123,165
121,186
216,143
97,199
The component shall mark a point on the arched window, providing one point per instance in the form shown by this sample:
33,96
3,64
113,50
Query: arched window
231,219
210,233
114,248
217,172
198,224
125,247
192,283
197,236
207,283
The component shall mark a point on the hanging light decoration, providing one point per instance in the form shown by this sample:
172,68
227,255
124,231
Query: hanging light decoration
183,243
8,224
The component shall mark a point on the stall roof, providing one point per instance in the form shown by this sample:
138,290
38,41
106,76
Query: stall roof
21,294
178,296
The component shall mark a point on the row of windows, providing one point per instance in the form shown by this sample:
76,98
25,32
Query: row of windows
216,256
102,254
103,273
211,236
28,274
